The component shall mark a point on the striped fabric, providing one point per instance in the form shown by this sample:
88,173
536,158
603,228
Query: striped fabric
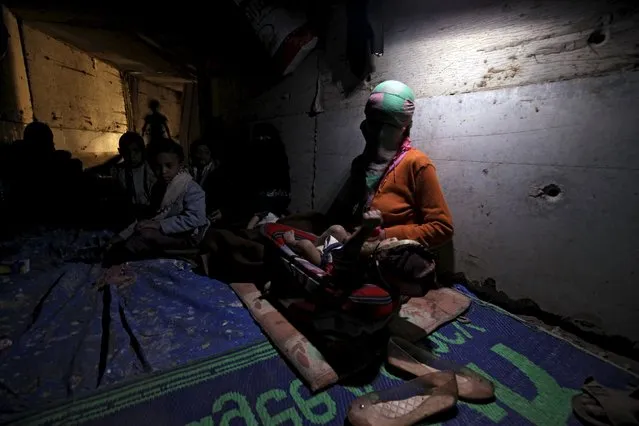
391,102
369,302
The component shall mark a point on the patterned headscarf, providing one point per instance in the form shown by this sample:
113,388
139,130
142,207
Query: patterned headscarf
391,102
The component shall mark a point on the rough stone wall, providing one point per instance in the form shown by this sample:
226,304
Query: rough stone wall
80,97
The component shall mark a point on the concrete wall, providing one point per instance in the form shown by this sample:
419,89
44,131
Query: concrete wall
512,97
15,99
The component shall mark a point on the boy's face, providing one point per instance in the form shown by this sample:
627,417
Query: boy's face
167,165
132,154
201,156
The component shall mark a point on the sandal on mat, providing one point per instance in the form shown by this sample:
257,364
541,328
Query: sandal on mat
407,403
417,361
602,406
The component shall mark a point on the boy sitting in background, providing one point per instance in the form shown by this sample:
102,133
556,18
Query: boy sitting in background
133,175
180,219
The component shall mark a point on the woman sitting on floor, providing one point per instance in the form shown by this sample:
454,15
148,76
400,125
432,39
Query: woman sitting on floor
180,221
393,177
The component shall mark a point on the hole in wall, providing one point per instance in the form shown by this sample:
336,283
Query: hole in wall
597,37
551,190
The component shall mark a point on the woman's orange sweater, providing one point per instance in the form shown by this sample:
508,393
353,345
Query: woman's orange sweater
412,203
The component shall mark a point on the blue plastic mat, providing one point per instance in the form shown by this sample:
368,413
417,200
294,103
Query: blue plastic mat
536,375
69,338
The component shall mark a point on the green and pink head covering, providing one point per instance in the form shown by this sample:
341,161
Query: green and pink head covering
391,102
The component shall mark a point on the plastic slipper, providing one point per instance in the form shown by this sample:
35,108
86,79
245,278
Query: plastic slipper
407,403
417,361
602,406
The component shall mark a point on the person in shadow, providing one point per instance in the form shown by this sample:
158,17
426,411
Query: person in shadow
256,188
47,180
257,182
207,171
270,188
133,176
155,123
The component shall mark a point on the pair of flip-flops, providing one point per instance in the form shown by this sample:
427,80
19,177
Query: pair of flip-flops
437,388
602,406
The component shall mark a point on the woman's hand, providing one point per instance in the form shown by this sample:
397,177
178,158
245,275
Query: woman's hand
373,214
378,234
147,224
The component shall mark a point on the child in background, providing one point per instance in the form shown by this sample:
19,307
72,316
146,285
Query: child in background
133,175
206,172
202,160
180,219
155,124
